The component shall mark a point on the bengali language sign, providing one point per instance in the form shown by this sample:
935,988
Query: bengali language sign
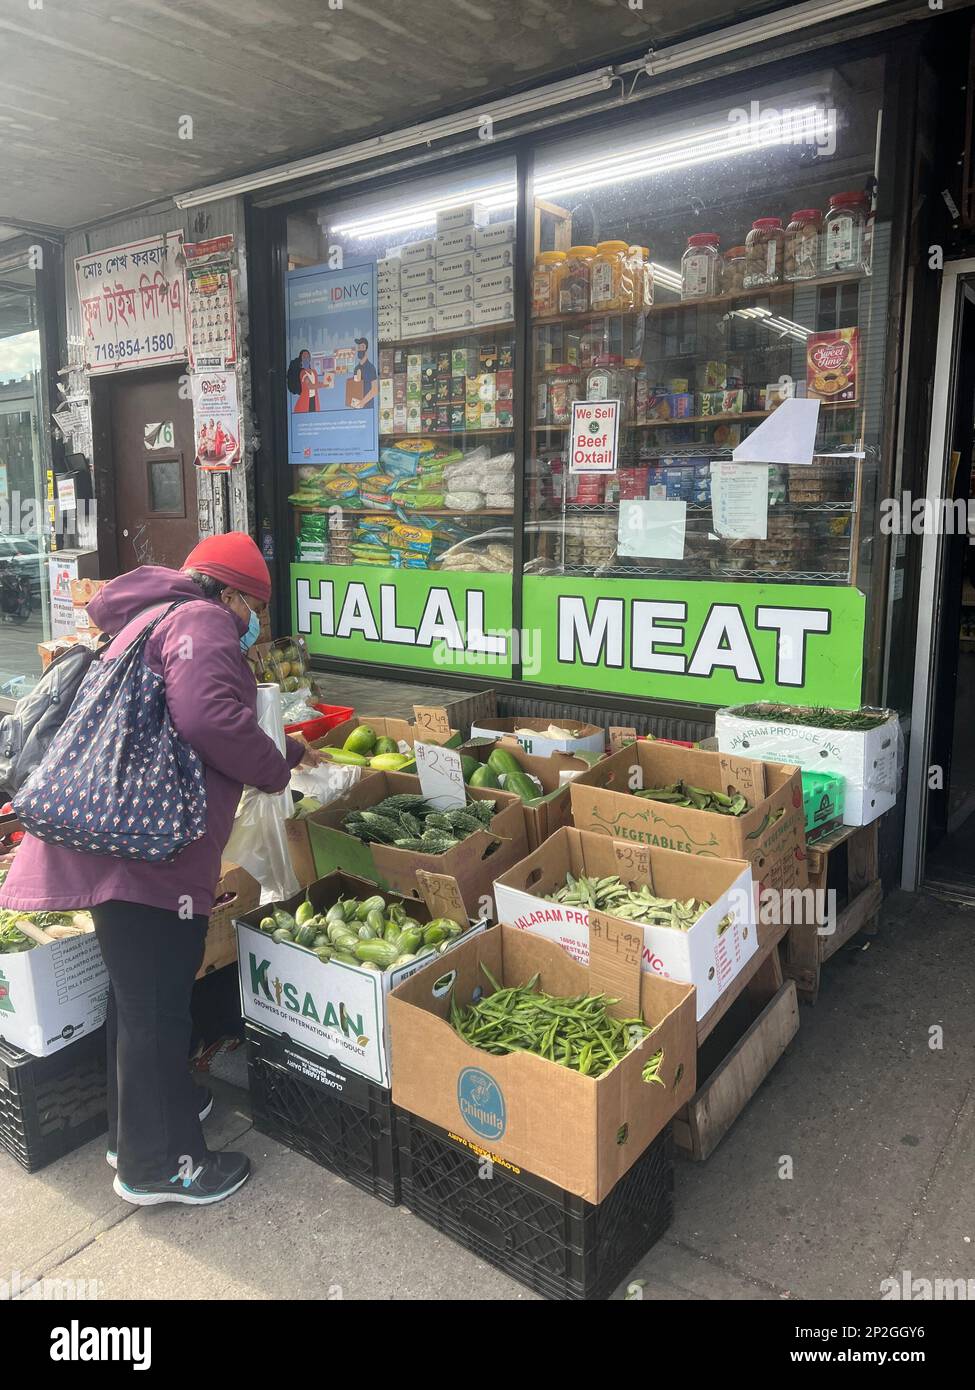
133,304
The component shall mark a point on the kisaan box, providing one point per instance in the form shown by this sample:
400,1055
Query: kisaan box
580,1132
709,956
771,835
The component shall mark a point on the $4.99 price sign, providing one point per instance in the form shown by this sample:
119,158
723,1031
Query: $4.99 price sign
595,435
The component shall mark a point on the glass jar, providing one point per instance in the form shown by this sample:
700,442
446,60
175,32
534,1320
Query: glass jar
546,279
647,277
700,266
844,232
608,273
764,252
610,379
733,276
564,387
802,250
635,277
576,277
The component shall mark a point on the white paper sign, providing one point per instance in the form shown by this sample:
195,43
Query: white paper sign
441,775
133,304
595,434
216,419
787,436
60,574
739,500
652,528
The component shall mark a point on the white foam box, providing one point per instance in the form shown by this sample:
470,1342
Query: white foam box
455,267
453,292
868,762
494,234
464,215
498,310
415,324
53,994
494,258
709,955
416,251
456,242
589,738
413,301
456,316
413,276
492,284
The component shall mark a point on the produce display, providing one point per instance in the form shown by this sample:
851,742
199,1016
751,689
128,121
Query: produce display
58,926
366,932
408,821
282,663
364,748
553,731
682,794
858,721
502,769
576,1032
611,894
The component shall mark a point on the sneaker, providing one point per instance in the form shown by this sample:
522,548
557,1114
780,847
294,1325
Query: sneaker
111,1156
220,1176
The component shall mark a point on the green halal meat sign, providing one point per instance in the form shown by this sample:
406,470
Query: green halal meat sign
711,643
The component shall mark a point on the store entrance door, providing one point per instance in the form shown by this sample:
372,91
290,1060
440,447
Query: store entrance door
155,473
940,832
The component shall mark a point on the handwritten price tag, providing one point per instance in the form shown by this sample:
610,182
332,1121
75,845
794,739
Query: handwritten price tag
432,720
441,776
615,953
619,736
633,861
442,895
745,774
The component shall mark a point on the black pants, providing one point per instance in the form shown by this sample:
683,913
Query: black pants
152,956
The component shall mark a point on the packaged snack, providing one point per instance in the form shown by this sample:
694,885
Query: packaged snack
831,366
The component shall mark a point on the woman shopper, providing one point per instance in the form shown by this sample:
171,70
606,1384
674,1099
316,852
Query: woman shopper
151,918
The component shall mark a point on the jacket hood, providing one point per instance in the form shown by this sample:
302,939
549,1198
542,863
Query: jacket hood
125,598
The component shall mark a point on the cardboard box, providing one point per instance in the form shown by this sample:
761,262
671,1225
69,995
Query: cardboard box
236,894
492,284
415,276
580,1132
82,592
554,772
495,234
475,862
50,651
388,270
457,267
493,259
418,324
771,836
451,293
332,1009
415,301
464,215
52,994
457,316
709,956
499,310
868,762
455,242
416,251
591,739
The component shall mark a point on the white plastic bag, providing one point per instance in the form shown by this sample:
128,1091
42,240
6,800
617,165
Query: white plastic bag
259,844
325,782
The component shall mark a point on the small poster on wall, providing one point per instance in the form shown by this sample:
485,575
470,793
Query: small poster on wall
332,379
210,299
595,432
216,420
133,304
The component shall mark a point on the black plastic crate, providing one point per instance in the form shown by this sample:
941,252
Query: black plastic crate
50,1106
319,1108
556,1243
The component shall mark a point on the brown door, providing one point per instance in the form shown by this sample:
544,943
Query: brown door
155,473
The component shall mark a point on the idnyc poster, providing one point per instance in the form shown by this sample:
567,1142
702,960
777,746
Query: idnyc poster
216,420
332,378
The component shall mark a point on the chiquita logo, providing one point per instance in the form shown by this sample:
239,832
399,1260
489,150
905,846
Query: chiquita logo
481,1103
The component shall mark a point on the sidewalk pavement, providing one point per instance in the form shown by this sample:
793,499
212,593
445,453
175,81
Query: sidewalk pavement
879,1125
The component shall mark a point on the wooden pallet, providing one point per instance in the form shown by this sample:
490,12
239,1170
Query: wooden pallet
846,862
739,1042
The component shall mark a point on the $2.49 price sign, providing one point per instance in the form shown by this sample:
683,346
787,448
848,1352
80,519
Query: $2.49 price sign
441,776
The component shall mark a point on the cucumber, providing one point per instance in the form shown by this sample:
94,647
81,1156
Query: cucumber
306,934
383,953
503,760
282,934
522,785
374,904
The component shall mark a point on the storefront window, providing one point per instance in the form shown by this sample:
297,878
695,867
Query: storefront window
701,271
24,591
400,378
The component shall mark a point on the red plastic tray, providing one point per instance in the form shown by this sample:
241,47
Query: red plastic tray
316,728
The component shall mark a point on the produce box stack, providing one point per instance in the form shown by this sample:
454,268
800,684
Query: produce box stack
556,1080
542,783
316,972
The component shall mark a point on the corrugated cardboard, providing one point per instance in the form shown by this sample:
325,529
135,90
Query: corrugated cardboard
709,956
399,729
771,836
579,1132
474,863
53,994
590,737
554,772
236,893
299,845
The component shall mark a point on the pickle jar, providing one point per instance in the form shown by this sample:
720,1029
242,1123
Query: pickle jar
700,266
546,280
575,281
764,252
733,272
802,245
844,232
608,273
564,387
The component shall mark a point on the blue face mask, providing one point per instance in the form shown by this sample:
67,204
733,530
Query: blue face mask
253,628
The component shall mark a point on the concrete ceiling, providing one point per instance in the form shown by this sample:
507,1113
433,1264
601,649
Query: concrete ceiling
94,94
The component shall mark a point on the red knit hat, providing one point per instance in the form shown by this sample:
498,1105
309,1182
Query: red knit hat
235,560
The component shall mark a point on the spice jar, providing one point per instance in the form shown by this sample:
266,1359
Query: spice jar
609,269
576,276
546,279
564,387
700,266
844,229
733,274
802,252
764,252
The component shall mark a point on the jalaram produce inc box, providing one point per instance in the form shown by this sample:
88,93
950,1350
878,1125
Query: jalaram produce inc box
709,955
581,1132
770,835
